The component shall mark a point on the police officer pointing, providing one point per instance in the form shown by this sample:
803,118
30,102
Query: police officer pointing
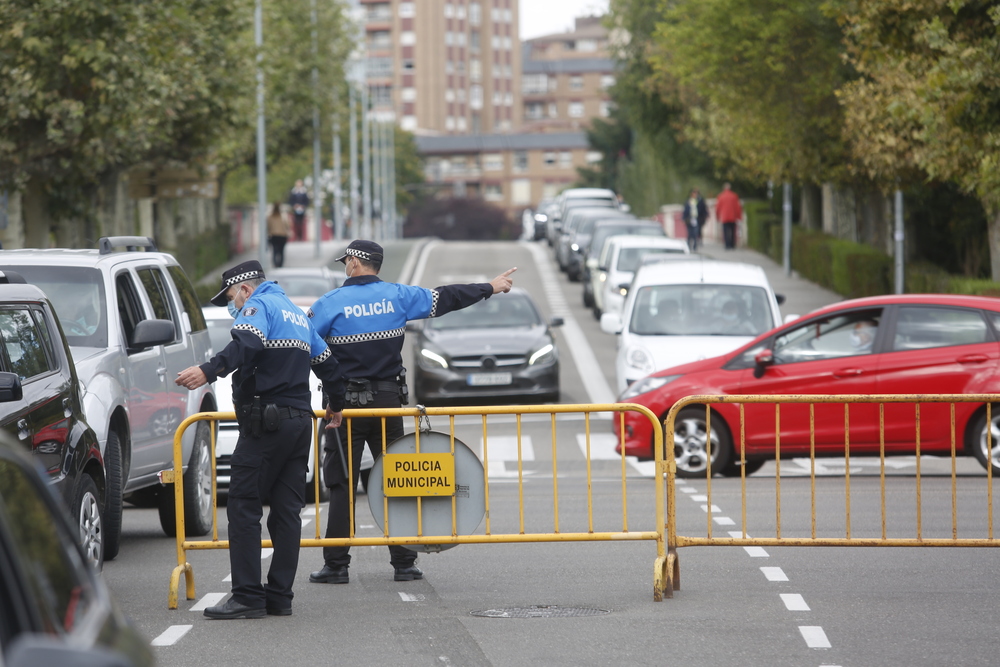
363,322
273,348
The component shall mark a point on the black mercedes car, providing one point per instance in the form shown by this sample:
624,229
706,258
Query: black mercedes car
500,347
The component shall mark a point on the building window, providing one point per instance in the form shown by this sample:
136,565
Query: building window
406,10
448,40
607,80
381,96
449,95
476,97
408,38
587,45
408,123
460,94
475,13
408,94
378,67
460,38
449,123
553,110
493,162
549,158
534,110
534,84
493,192
576,82
460,12
379,39
565,160
575,110
408,65
594,157
475,70
379,12
462,125
449,67
520,191
553,83
474,40
449,10
520,160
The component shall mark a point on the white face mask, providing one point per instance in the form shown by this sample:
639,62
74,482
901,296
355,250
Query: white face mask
347,269
858,341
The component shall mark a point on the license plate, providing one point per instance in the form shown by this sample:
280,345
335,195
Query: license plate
488,379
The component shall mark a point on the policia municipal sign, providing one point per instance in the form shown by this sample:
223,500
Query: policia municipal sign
435,476
419,475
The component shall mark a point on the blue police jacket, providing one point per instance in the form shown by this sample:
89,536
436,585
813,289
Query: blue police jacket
363,321
273,348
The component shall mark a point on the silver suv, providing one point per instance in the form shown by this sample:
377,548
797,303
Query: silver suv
133,321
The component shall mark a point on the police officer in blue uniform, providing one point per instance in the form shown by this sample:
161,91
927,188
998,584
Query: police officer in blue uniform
274,347
363,322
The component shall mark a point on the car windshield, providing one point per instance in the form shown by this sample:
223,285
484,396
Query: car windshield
700,310
630,258
500,310
220,333
77,294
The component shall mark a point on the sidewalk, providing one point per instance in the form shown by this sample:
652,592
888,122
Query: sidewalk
801,296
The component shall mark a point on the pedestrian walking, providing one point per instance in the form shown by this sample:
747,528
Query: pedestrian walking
298,199
695,215
273,349
278,230
363,322
728,211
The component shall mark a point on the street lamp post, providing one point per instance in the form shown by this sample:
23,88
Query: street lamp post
258,32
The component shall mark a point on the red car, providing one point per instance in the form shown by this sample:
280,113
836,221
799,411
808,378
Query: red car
909,344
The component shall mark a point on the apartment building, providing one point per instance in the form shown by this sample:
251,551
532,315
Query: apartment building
566,77
445,66
512,171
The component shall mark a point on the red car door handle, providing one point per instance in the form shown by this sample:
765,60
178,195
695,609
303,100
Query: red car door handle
847,372
972,359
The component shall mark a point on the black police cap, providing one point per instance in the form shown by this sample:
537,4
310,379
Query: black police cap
238,274
362,249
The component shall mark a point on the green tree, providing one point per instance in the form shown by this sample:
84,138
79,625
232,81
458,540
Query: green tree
928,100
758,83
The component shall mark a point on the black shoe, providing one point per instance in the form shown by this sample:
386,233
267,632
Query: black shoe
408,573
234,609
279,611
330,575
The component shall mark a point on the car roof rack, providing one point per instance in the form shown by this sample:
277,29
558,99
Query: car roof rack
10,277
107,244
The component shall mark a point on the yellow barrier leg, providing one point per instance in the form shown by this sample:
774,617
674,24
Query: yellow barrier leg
175,582
674,565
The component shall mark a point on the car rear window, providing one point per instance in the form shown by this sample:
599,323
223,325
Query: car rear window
78,297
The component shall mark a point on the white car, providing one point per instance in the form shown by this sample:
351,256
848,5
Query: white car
617,264
220,323
681,311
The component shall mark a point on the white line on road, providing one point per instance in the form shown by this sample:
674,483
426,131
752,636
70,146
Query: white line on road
504,448
699,499
309,511
209,600
688,489
586,363
602,448
411,597
723,521
306,522
756,552
738,534
266,553
794,602
715,509
774,573
171,635
814,636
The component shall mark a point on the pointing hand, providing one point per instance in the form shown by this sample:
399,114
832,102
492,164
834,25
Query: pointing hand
503,282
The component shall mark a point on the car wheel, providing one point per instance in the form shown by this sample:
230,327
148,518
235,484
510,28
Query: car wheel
89,517
690,452
588,298
197,491
597,313
978,436
113,502
733,468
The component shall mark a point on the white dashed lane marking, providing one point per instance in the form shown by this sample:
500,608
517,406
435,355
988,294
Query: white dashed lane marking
171,635
774,573
814,636
715,509
209,600
794,602
411,597
723,521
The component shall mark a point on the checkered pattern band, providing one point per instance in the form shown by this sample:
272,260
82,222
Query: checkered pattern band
239,278
252,329
434,303
320,358
365,337
360,254
287,343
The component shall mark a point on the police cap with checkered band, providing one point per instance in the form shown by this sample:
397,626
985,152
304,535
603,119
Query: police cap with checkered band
366,250
239,273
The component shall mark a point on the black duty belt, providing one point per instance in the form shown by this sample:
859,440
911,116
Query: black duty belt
286,412
385,385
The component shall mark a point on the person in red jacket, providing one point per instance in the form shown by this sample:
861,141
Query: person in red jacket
728,211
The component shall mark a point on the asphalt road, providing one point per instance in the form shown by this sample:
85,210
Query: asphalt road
737,606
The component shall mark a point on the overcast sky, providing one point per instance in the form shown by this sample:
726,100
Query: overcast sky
544,17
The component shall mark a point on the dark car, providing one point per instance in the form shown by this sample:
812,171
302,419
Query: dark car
41,406
304,285
907,344
500,347
54,607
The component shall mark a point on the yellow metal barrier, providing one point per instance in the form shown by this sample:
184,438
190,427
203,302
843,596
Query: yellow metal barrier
488,536
667,468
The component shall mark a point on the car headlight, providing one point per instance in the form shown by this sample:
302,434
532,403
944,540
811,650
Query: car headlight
574,247
603,277
645,385
541,217
434,356
543,355
640,360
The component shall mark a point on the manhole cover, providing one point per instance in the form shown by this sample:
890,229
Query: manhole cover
540,611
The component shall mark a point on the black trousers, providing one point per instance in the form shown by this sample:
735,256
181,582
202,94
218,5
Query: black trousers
367,430
271,468
694,235
729,234
278,249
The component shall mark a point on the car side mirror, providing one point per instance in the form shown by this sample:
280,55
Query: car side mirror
762,360
780,298
10,387
149,333
611,323
556,322
592,263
